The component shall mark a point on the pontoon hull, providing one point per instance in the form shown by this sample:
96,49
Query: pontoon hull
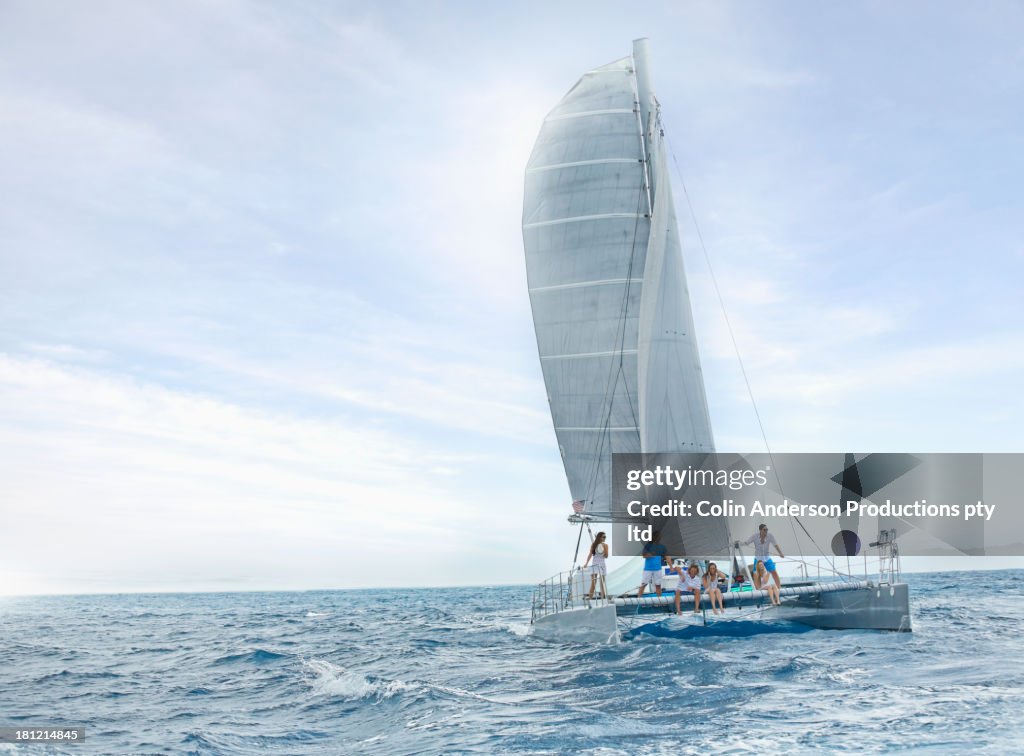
829,606
834,606
581,625
885,607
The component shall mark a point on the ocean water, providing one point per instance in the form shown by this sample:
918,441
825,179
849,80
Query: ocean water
453,670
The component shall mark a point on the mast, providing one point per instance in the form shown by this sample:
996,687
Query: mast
673,407
645,95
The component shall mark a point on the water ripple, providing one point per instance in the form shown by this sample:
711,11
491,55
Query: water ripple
453,670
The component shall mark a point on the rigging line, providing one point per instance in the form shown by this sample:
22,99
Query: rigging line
602,437
625,307
576,556
739,357
632,409
613,375
644,189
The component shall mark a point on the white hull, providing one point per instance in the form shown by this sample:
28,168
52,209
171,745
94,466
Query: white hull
583,625
860,605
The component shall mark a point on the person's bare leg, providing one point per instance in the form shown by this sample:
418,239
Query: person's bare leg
696,600
593,582
778,580
678,594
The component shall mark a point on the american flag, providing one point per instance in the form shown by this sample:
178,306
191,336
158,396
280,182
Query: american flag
577,506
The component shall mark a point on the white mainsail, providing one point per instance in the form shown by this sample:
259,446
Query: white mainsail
607,286
585,229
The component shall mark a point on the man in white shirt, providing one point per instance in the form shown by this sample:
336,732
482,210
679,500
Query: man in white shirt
761,541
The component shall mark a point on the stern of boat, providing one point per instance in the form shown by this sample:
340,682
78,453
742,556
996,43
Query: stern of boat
876,607
562,613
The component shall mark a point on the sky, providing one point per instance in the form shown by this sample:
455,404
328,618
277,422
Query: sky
263,309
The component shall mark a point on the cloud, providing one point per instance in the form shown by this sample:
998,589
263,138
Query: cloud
768,79
263,269
129,480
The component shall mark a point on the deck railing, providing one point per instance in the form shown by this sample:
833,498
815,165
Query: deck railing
566,590
889,567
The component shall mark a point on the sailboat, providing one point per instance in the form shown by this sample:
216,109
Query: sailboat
619,356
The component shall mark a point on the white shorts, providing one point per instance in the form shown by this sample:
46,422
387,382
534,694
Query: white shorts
598,569
651,576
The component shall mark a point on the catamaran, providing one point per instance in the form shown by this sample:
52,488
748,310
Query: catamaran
622,370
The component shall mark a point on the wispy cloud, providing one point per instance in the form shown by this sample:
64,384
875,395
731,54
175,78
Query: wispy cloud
115,470
778,79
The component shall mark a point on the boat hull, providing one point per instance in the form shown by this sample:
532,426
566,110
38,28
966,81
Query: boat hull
833,606
580,625
885,607
837,606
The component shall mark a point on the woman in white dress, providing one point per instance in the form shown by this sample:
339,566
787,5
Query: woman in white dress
598,553
712,588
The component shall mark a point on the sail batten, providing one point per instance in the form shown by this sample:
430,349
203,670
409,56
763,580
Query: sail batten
580,219
605,282
598,161
587,113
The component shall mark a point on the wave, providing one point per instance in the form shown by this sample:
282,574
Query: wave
521,629
328,679
465,681
66,673
259,656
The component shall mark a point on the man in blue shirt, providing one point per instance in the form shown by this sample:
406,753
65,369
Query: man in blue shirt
654,557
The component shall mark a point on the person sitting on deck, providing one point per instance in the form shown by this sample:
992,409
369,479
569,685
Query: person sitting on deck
762,540
689,581
763,582
654,556
712,587
598,552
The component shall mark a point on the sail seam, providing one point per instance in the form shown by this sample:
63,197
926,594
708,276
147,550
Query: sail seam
576,163
582,284
583,355
601,71
580,219
587,113
602,429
